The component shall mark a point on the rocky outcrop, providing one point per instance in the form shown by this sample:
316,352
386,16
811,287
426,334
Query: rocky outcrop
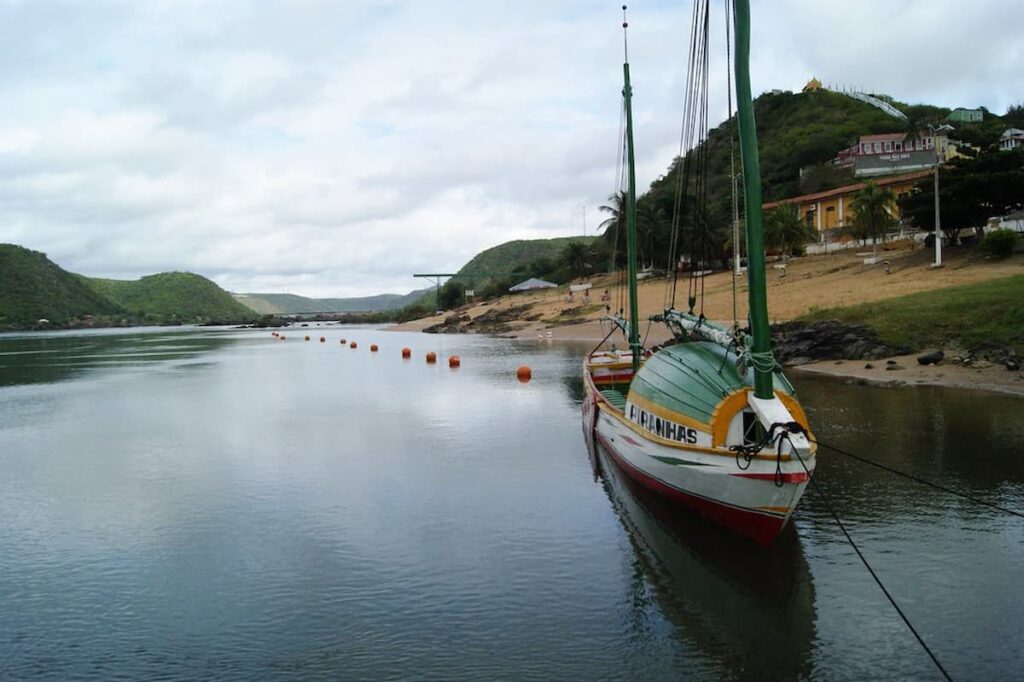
494,321
798,343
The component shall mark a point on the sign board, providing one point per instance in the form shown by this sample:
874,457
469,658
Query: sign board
893,162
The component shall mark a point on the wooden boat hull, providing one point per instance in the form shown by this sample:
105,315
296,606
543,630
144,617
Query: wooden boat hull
755,502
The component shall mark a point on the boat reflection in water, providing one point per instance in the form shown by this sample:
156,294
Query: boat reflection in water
747,611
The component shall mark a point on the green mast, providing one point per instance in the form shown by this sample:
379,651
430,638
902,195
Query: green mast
631,255
757,285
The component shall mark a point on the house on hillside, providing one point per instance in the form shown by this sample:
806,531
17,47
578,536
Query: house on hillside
961,115
830,211
1012,138
892,153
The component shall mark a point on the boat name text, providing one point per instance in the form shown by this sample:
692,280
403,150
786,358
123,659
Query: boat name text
663,428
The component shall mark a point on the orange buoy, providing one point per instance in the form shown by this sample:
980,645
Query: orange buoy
282,337
342,341
352,345
454,361
307,337
373,348
524,373
322,339
406,352
431,357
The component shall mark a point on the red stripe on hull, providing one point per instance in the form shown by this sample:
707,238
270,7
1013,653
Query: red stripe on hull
798,477
758,526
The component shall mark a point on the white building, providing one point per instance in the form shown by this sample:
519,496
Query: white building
1012,138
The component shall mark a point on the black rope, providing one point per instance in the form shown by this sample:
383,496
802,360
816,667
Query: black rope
874,575
919,480
748,452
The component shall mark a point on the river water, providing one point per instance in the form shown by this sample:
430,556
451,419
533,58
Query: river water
207,503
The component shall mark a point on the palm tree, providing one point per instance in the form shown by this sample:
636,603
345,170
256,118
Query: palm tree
785,230
615,225
872,216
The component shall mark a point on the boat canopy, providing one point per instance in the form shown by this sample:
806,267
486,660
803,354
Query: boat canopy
693,379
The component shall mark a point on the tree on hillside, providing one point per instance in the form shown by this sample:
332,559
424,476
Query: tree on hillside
970,192
576,257
785,230
872,216
451,295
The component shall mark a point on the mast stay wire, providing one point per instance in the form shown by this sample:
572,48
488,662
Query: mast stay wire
682,159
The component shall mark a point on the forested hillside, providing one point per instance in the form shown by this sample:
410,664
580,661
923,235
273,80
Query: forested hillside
33,288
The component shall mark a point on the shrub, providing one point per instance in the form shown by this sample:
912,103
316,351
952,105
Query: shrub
998,243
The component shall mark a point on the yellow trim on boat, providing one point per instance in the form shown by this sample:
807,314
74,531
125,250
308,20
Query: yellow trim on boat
666,413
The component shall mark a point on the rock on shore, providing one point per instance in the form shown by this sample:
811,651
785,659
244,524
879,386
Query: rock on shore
797,343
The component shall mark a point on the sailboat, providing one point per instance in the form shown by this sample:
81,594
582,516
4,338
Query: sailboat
708,421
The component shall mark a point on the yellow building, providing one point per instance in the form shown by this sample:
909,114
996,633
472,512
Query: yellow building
812,85
832,209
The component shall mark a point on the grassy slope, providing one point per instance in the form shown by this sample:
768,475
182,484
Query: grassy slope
33,287
168,296
959,316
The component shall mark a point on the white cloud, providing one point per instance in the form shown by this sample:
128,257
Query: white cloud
334,148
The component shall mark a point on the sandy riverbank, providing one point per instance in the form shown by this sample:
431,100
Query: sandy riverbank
803,285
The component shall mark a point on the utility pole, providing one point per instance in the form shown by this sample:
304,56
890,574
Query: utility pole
938,223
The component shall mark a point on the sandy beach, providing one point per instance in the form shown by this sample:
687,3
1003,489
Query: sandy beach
798,287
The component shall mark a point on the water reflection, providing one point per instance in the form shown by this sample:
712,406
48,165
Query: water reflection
748,611
47,357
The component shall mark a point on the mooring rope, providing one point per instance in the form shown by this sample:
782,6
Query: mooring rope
917,479
878,581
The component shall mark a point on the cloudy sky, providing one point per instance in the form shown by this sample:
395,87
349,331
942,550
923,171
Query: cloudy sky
334,147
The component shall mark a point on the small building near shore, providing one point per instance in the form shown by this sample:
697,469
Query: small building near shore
531,284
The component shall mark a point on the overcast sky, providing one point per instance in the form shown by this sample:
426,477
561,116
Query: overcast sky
334,147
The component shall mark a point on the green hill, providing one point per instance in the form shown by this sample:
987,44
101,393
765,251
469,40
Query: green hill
286,304
521,256
32,287
172,296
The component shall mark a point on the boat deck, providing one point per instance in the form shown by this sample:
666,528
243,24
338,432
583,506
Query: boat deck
615,398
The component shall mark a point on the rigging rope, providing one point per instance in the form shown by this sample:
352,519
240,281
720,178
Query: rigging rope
689,209
732,163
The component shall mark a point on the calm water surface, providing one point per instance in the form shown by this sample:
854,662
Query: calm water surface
214,503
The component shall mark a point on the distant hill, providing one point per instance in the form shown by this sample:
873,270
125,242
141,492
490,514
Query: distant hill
172,296
289,304
32,287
